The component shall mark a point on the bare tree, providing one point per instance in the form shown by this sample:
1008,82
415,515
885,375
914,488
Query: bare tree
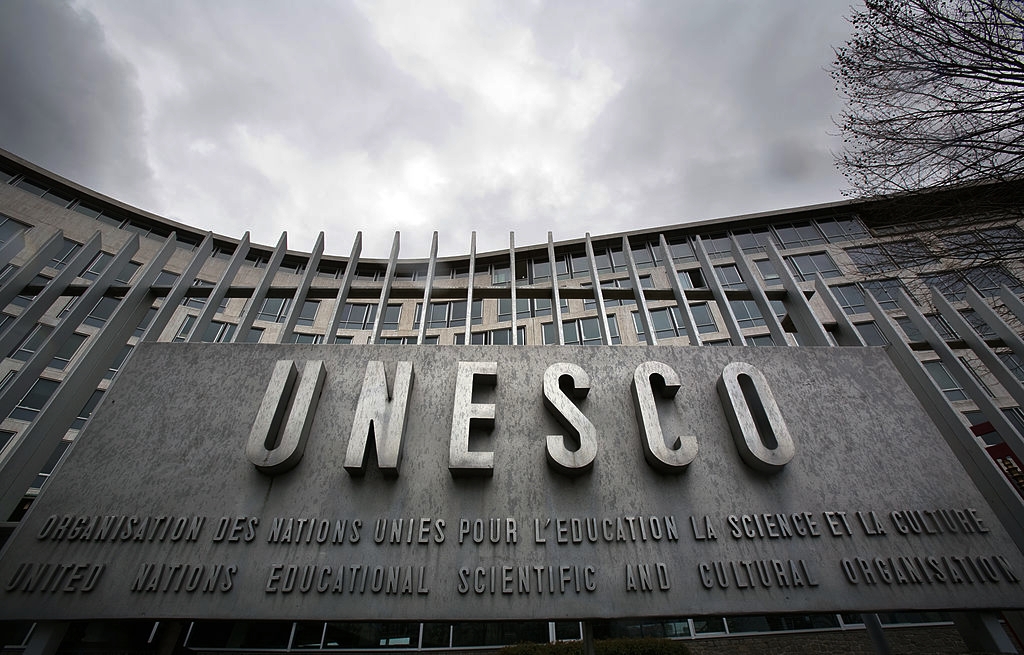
935,94
935,100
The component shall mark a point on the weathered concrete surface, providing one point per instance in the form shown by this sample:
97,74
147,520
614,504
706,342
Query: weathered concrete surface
170,441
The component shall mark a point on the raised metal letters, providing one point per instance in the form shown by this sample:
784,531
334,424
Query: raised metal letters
559,380
648,377
757,425
467,415
269,453
380,415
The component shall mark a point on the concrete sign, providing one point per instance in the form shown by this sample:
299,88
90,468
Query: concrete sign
372,482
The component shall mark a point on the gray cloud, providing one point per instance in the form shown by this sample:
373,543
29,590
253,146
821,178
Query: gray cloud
70,104
567,116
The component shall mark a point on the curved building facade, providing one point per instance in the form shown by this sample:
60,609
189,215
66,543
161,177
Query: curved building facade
88,280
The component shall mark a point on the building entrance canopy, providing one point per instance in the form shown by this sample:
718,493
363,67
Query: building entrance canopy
364,482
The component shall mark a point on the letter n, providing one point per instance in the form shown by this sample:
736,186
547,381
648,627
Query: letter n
274,450
380,416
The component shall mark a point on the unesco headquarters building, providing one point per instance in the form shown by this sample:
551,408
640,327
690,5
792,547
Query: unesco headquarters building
800,429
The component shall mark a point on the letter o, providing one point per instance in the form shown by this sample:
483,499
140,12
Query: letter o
760,433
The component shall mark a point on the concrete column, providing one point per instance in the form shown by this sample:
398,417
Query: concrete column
46,637
982,632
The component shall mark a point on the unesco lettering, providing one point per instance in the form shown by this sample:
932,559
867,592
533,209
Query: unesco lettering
282,425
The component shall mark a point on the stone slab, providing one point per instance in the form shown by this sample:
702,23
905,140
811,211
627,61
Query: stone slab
198,531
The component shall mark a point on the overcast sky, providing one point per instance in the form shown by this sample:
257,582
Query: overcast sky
566,115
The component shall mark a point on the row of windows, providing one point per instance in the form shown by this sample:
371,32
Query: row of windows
334,635
909,253
68,200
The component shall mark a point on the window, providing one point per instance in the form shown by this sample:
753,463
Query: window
525,308
5,438
274,310
624,283
98,264
798,235
292,265
308,313
729,276
969,367
681,250
805,266
8,271
118,362
978,324
165,279
10,228
768,273
986,280
540,270
500,274
582,331
30,344
909,329
837,230
51,464
325,269
942,327
850,298
86,411
217,332
449,314
871,335
222,251
34,400
885,292
308,338
760,340
185,329
692,279
747,313
87,210
890,255
360,317
67,250
67,351
644,255
755,240
983,242
667,323
128,272
35,188
945,381
430,339
23,299
357,317
101,312
499,337
1014,363
944,330
197,302
143,325
988,435
717,245
702,318
369,273
254,335
587,331
533,307
408,274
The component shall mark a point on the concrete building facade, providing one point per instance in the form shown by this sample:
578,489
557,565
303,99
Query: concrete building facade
87,279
